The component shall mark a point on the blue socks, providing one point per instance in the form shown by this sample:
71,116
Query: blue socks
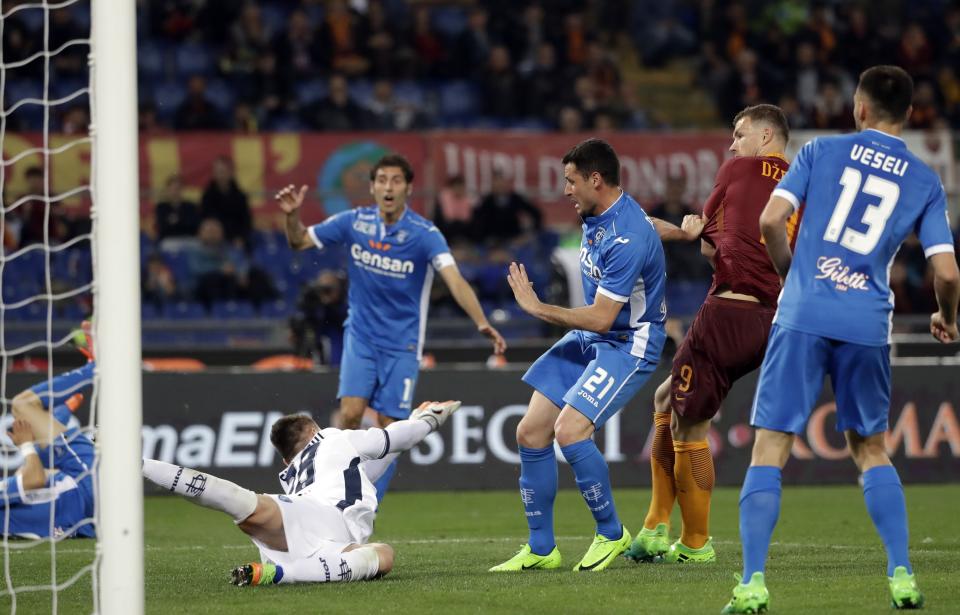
538,489
64,386
384,481
759,510
883,494
593,480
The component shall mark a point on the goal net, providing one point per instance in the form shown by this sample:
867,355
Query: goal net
70,233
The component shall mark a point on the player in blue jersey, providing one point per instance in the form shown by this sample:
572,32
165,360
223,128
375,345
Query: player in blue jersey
864,193
58,462
588,376
393,253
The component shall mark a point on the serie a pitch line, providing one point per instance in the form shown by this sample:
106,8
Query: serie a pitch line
480,540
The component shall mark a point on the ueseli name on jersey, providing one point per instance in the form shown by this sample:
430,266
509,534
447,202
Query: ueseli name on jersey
878,160
379,263
832,268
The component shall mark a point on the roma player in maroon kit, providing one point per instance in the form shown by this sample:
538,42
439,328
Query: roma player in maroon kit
727,340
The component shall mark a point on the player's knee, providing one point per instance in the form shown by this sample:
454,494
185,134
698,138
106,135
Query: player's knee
531,435
867,453
351,416
572,431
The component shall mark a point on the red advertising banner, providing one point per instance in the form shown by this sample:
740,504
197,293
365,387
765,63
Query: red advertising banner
336,166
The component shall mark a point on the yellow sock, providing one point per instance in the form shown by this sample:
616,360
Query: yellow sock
661,472
694,478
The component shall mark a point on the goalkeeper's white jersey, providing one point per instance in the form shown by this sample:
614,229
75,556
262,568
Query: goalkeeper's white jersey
329,469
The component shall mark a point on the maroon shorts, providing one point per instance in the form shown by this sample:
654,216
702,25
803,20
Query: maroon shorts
727,340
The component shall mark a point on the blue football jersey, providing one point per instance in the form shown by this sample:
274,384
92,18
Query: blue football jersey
621,257
864,194
391,272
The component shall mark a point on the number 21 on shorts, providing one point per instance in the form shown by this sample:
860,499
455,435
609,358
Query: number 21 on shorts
599,377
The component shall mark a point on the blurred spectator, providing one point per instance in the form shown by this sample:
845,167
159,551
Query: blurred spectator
316,327
388,113
602,70
197,112
147,121
176,216
925,108
381,45
541,84
75,120
499,85
832,110
298,51
749,84
159,285
224,201
249,40
796,118
473,45
808,76
72,61
570,120
574,39
504,214
684,261
336,111
530,38
454,209
916,54
429,47
341,40
221,272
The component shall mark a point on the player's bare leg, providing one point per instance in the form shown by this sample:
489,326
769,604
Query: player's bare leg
887,506
538,487
27,406
694,479
653,540
351,412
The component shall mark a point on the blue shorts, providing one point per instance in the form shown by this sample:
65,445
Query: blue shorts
72,512
386,378
604,376
791,379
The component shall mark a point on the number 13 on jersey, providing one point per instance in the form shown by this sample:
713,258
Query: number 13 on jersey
874,217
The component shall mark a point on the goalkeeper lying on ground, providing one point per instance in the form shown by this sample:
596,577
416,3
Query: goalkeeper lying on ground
58,461
317,530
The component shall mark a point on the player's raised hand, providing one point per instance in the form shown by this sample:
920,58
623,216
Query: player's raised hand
943,332
499,344
693,225
522,289
290,199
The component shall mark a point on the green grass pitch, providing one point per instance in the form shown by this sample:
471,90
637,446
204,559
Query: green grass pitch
825,558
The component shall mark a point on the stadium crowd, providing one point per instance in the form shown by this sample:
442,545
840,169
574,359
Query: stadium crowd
387,65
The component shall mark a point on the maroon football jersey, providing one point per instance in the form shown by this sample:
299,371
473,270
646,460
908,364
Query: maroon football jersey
732,211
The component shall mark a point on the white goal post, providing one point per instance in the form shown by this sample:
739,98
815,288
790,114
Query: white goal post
116,211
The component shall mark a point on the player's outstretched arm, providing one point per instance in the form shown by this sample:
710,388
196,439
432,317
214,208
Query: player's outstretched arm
467,299
946,285
401,436
290,200
689,230
773,229
597,317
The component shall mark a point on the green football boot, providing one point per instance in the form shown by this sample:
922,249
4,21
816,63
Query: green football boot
679,553
603,551
752,597
526,559
649,545
903,590
253,573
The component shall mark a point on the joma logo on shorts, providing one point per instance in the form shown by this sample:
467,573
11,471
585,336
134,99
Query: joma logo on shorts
589,398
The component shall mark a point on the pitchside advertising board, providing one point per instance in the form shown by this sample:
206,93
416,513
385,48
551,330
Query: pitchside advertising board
220,422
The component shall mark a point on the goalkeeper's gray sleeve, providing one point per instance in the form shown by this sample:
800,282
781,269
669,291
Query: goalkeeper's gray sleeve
396,438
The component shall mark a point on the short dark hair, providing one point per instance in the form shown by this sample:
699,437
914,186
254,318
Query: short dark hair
287,432
595,156
890,89
771,114
393,160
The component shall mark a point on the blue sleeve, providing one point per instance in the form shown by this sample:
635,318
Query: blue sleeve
437,250
332,230
933,227
794,184
623,259
10,492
